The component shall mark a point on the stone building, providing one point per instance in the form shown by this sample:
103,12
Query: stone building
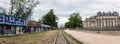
103,21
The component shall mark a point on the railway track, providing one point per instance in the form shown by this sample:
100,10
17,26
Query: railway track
61,38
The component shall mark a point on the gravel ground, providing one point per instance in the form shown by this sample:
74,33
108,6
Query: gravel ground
92,38
48,38
113,33
61,39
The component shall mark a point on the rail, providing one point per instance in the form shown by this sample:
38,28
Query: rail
60,35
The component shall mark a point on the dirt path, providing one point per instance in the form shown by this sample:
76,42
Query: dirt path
91,38
48,38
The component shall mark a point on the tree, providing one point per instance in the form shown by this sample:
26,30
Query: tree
22,8
50,19
68,25
74,21
40,21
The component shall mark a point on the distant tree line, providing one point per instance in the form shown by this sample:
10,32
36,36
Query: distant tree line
74,21
49,19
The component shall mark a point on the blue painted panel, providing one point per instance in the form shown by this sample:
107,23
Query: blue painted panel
1,19
9,20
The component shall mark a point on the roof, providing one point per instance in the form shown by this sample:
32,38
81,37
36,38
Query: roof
107,13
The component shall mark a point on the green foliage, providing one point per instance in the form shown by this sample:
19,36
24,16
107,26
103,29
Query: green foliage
40,21
50,19
74,21
22,8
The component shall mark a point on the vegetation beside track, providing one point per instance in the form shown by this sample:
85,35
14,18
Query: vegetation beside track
73,40
23,39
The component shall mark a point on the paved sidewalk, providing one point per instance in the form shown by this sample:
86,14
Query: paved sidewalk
91,38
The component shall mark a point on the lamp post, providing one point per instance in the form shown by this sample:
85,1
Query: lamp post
101,22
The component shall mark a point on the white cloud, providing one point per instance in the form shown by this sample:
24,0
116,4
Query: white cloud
5,4
86,8
62,20
63,8
109,1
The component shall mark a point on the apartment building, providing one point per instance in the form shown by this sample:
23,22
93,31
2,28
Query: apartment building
103,21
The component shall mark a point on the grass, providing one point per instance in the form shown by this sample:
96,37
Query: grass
23,39
75,41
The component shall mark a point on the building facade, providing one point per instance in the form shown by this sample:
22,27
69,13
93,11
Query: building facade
103,21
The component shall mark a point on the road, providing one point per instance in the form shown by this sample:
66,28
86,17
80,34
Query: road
92,38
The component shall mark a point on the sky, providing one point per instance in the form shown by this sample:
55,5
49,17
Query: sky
63,8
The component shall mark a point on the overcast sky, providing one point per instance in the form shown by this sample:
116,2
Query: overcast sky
63,8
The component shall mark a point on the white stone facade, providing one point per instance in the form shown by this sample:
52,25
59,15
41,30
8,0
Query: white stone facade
103,21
